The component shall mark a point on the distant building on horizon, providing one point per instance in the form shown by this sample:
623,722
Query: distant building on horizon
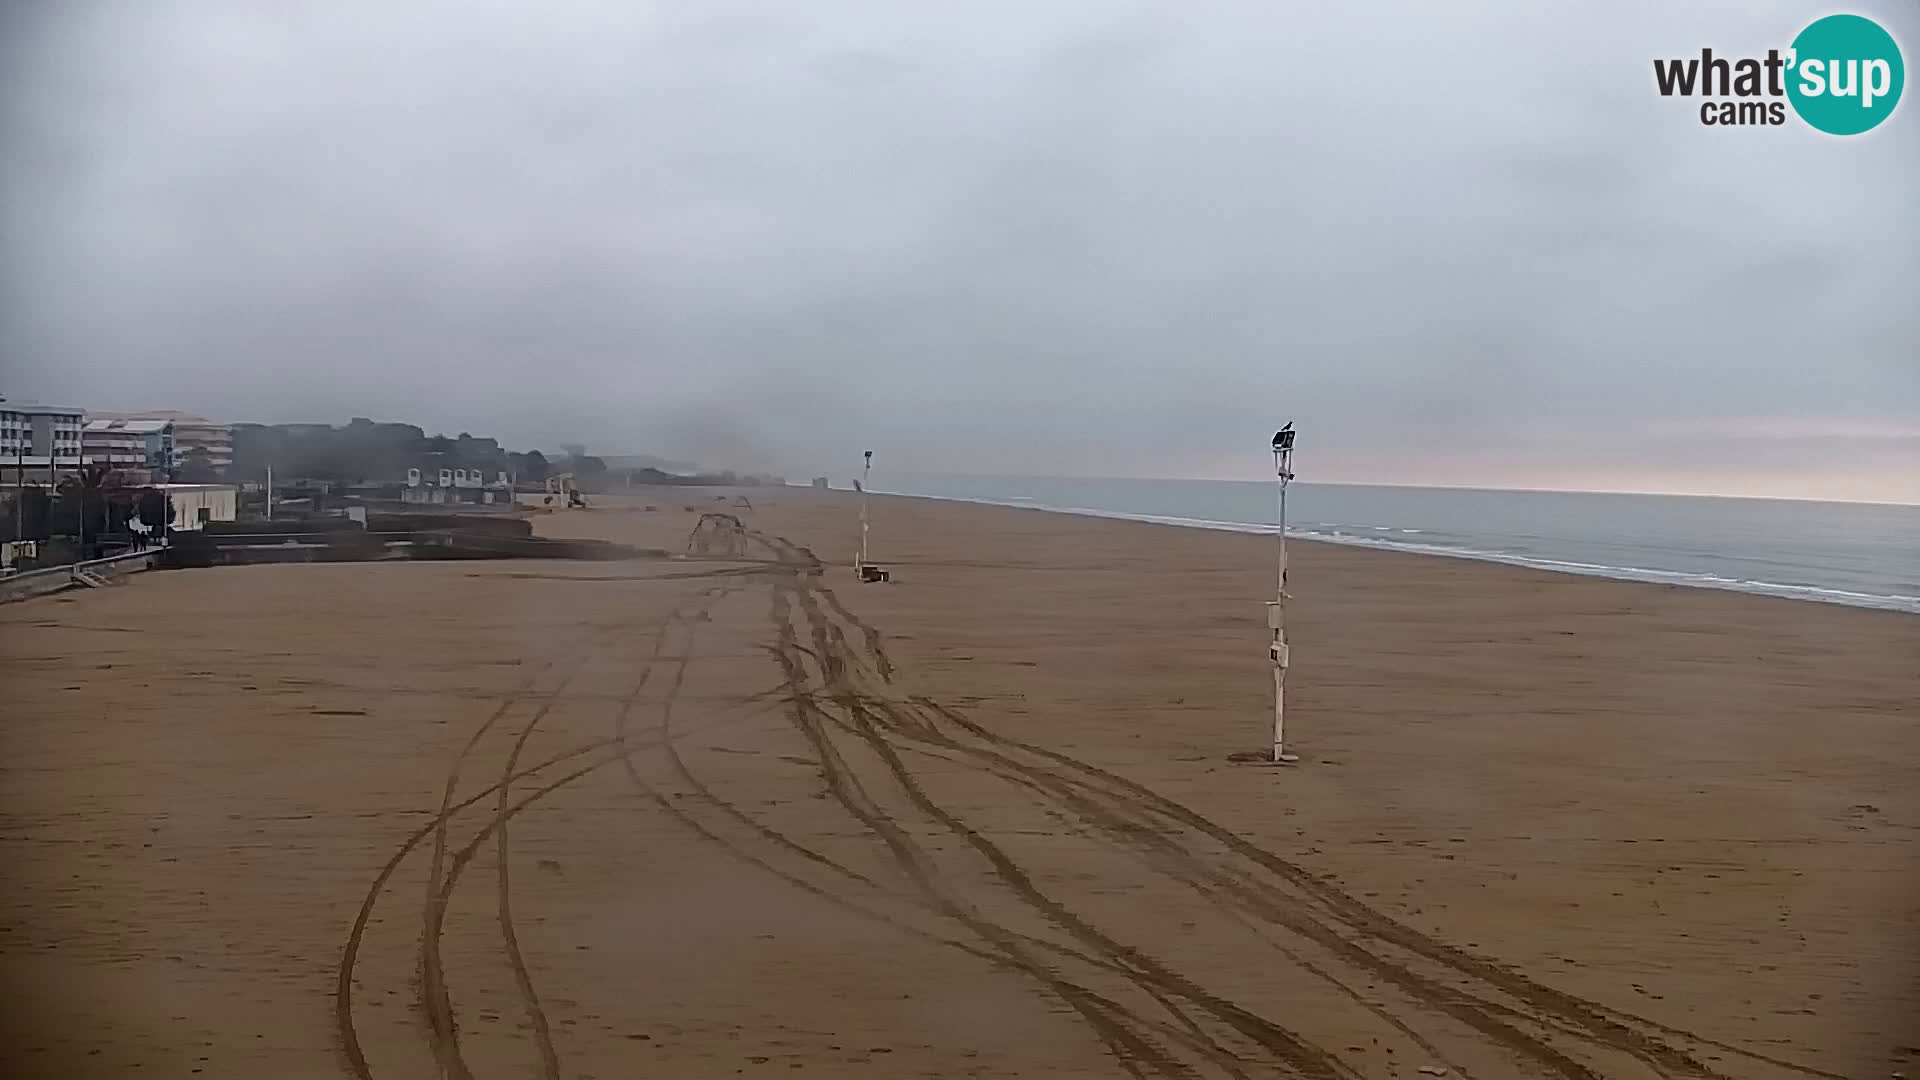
204,442
436,484
140,450
196,441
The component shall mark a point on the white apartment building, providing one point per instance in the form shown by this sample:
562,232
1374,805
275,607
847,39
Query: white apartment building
130,446
40,437
199,439
190,439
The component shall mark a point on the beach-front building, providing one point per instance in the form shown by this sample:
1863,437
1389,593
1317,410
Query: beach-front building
433,485
203,442
138,451
39,442
194,442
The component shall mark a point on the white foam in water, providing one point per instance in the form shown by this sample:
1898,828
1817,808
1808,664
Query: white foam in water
1881,601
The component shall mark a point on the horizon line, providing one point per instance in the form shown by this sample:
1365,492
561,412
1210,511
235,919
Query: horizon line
1437,487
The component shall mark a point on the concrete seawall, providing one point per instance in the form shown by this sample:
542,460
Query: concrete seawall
399,536
53,579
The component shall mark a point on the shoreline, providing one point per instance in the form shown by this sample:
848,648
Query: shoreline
1900,604
1263,480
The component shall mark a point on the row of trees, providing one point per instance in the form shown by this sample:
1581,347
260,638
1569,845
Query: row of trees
89,505
361,452
366,452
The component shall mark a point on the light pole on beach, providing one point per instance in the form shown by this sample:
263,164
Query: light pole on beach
864,570
1277,608
866,472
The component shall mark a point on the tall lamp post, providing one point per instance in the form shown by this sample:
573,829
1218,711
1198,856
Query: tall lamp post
1277,607
866,474
864,570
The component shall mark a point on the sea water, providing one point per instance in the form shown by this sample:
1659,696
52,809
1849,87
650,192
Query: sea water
1866,555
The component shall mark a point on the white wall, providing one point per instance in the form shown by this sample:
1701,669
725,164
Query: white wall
220,503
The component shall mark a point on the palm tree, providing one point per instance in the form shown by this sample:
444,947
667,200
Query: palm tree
89,487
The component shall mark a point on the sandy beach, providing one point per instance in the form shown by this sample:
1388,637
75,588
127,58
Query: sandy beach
725,817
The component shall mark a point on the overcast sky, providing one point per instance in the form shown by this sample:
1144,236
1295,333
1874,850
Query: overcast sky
1461,243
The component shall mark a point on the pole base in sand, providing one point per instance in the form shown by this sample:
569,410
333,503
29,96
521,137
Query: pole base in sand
1262,757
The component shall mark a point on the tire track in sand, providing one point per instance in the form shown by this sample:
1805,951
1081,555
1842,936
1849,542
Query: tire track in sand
434,1001
523,979
836,661
1448,1000
1544,1006
1286,1046
832,655
343,983
1129,1048
434,998
1188,1034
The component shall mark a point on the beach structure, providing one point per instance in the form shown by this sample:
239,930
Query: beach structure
197,505
718,534
1277,607
862,568
454,484
562,488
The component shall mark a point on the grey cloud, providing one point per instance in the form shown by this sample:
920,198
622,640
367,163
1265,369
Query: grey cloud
1076,237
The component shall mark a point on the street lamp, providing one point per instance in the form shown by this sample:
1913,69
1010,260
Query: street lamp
866,473
1277,607
863,569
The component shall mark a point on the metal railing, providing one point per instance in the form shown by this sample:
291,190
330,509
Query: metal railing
25,583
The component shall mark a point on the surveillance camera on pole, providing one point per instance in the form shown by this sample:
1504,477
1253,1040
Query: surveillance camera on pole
1277,607
866,473
864,570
